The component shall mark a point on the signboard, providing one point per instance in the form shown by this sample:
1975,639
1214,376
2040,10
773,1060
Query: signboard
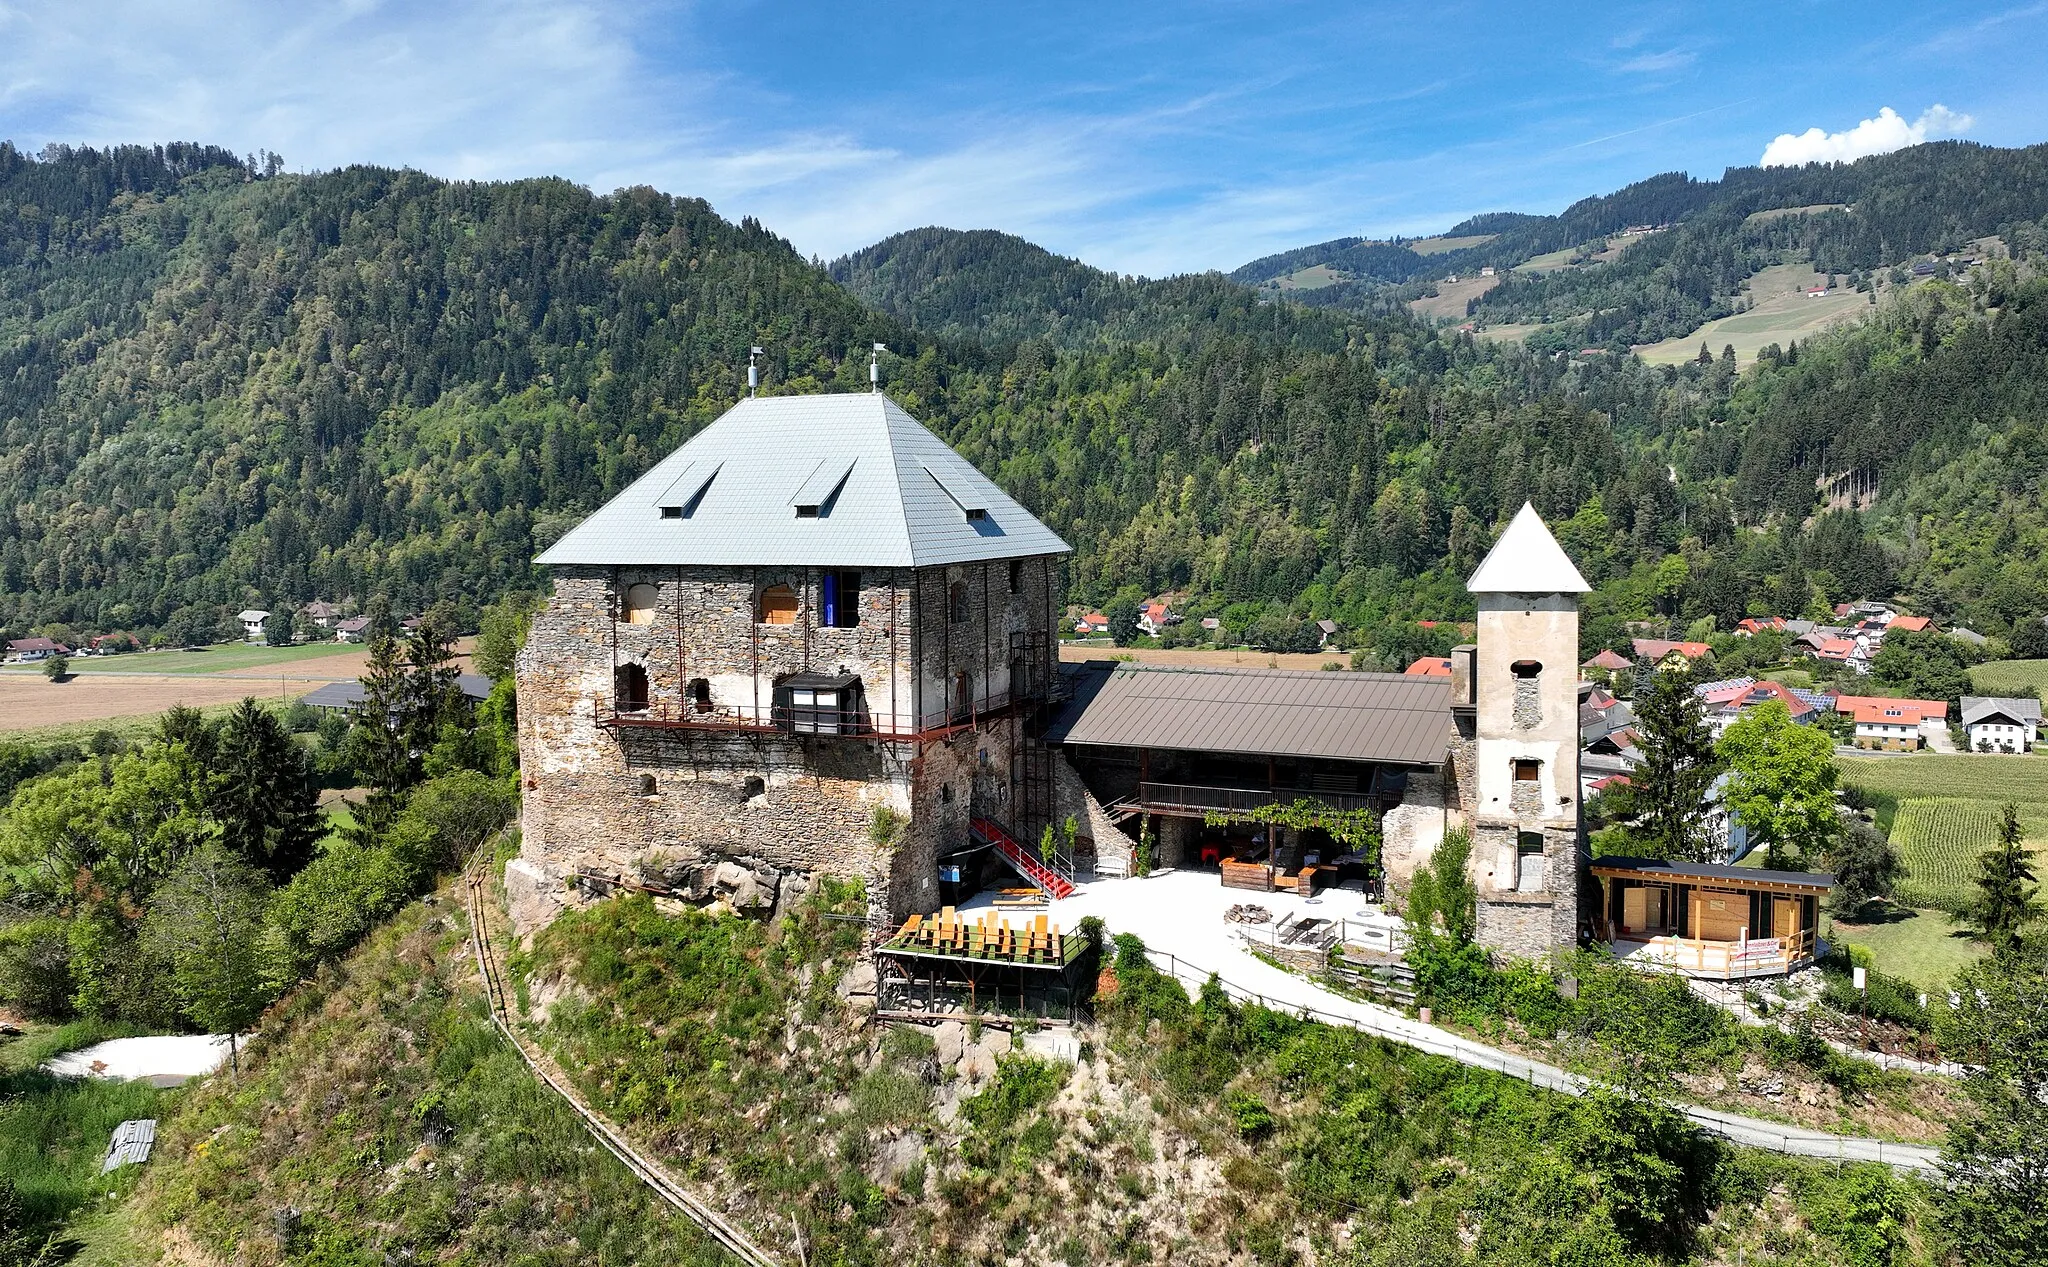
1857,974
1759,948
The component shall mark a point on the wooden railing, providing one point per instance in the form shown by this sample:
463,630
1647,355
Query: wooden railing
1026,862
1720,960
1200,799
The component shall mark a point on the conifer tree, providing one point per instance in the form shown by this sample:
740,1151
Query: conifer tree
2007,897
1678,767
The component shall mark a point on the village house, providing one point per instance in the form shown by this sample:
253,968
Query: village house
252,624
1668,654
320,615
1155,616
1992,724
1092,624
1724,703
34,650
1753,625
353,629
1430,666
1895,725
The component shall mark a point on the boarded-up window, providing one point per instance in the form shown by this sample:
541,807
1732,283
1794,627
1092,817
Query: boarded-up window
776,606
1527,770
1529,874
640,601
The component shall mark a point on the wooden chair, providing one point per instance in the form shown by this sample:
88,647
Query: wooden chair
911,926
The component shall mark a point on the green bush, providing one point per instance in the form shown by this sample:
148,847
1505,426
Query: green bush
1021,1084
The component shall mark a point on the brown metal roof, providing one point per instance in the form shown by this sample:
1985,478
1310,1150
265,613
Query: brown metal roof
1276,712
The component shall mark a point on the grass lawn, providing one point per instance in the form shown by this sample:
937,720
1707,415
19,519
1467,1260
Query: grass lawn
233,655
2009,677
1919,946
54,1131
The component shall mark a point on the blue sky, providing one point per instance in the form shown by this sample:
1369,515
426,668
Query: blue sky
1149,139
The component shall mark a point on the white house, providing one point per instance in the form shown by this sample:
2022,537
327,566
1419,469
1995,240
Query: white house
2001,725
252,624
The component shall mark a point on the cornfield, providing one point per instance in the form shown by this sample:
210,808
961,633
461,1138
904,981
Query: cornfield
1940,839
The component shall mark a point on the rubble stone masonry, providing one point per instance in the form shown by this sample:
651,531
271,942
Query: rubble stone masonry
676,802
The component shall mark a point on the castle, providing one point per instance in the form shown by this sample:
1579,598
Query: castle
815,641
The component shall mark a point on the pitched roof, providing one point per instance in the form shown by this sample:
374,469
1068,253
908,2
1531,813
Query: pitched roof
1527,560
35,644
1658,648
1911,624
833,480
1978,708
1889,711
1278,712
348,694
1609,659
1429,666
1713,871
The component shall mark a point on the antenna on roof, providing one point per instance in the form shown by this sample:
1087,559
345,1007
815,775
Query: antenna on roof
875,367
753,373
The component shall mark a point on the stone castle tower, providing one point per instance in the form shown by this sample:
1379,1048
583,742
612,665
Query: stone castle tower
812,611
1515,750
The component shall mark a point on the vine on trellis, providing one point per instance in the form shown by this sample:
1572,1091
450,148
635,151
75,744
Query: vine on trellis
1357,830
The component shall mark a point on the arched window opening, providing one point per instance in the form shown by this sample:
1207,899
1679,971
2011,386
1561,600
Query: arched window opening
640,603
753,787
956,602
647,786
700,694
629,688
776,606
1526,670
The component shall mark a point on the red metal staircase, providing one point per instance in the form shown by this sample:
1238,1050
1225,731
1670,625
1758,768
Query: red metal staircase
1023,861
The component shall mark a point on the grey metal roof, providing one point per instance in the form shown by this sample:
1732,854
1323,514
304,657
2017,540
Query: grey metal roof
1278,712
1716,871
1978,707
876,488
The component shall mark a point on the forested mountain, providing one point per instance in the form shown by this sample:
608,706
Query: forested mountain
997,288
227,386
1871,214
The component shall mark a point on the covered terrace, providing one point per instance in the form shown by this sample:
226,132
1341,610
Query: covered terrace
1708,920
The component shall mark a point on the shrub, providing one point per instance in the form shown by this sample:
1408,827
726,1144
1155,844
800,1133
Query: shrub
1022,1083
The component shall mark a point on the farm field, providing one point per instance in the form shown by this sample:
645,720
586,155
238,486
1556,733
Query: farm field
1547,263
1513,333
1782,312
1779,213
224,658
31,706
1994,780
1452,297
1314,277
1940,839
2009,677
1437,246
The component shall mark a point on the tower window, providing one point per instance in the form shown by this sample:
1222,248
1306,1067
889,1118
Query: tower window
841,606
753,787
1526,670
1529,862
640,602
1016,576
700,694
956,602
629,688
647,785
1528,770
776,606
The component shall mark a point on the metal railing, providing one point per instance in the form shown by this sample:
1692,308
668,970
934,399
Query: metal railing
1200,798
1392,1026
773,719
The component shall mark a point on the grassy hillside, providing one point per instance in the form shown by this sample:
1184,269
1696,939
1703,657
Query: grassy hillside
1192,1133
379,1103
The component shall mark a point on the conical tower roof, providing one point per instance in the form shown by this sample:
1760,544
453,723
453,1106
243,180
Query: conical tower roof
1527,560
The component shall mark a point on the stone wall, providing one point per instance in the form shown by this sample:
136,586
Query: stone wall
779,808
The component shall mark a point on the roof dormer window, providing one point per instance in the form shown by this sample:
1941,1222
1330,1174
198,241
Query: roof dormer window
821,489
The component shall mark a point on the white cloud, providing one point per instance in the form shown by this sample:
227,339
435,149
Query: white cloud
1658,63
1887,132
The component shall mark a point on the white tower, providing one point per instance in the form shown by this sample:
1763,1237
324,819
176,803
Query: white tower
1517,705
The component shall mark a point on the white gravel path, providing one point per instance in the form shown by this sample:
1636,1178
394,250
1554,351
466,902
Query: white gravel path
1179,916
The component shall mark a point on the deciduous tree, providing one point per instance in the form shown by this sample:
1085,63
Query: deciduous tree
1782,782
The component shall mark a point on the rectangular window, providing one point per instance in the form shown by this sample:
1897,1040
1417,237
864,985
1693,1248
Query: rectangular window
1529,862
1016,576
1527,770
841,606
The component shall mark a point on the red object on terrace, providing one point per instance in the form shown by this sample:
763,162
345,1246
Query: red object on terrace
1026,862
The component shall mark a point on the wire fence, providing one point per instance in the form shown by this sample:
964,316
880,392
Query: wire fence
1747,1131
